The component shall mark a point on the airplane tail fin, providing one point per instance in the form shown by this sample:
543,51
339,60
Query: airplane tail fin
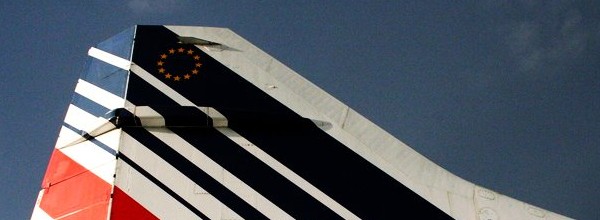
174,122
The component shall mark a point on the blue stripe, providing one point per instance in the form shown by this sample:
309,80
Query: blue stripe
89,106
104,75
91,139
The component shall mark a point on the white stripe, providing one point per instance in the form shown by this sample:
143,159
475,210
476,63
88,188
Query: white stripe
160,86
86,153
110,139
80,119
105,170
109,58
148,195
86,122
92,157
219,173
66,136
99,95
175,96
215,115
39,213
148,117
218,119
174,179
287,173
280,168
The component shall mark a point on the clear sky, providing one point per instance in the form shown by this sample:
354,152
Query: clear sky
505,94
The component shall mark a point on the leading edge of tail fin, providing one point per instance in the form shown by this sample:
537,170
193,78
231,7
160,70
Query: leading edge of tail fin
79,180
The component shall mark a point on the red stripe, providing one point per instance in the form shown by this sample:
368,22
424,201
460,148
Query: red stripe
124,207
60,168
72,191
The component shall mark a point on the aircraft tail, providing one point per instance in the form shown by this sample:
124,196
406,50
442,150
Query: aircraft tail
174,122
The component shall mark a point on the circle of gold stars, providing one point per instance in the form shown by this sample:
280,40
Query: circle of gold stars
178,76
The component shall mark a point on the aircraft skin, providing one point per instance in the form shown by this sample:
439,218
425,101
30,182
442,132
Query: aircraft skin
177,122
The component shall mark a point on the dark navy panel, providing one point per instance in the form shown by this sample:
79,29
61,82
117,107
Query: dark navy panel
141,93
256,174
317,157
339,172
214,85
235,159
194,173
162,186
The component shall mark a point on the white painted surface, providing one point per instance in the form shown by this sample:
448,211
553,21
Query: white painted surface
175,180
288,174
99,95
159,203
109,58
221,175
38,213
448,192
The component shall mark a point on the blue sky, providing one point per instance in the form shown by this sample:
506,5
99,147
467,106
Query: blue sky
505,94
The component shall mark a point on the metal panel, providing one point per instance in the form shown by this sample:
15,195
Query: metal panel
149,195
175,180
168,186
349,127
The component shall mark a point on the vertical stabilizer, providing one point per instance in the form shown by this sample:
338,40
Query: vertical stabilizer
175,122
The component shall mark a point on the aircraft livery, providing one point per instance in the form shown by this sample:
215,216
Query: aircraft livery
176,122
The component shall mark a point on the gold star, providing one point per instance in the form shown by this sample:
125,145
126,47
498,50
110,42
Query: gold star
186,76
195,71
161,70
196,57
198,64
190,52
171,51
160,63
163,56
180,50
168,76
176,78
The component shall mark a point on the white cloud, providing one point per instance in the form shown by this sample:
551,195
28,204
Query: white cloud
553,34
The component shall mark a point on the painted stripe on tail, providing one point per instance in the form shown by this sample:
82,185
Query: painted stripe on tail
109,58
220,174
162,186
99,95
287,173
192,172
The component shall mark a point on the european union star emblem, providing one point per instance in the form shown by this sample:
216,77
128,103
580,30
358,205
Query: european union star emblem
179,64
